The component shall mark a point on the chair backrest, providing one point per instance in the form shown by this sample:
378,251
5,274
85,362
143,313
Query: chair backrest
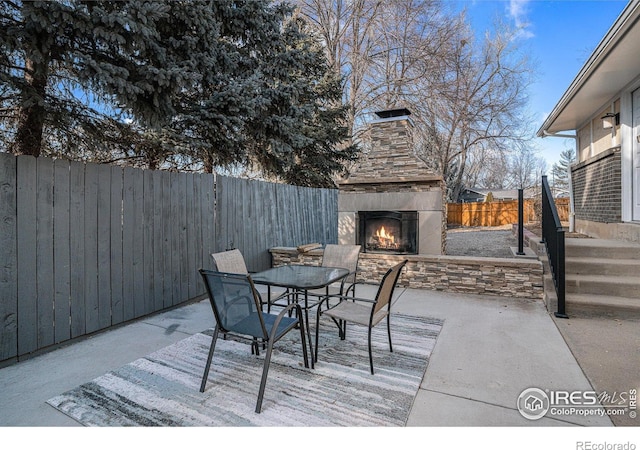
230,261
235,303
345,256
387,286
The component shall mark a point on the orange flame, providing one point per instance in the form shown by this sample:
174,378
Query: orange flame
385,236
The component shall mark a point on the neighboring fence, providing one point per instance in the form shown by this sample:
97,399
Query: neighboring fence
84,247
491,214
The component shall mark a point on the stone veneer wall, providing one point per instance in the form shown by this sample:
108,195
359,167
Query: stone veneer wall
597,187
513,278
391,154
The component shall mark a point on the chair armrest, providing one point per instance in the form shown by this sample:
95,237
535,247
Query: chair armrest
350,297
284,312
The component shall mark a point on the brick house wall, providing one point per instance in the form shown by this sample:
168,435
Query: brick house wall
597,187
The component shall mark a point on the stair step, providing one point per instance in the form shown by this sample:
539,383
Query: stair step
601,248
596,266
623,286
602,306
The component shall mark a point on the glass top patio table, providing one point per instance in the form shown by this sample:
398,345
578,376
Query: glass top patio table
300,279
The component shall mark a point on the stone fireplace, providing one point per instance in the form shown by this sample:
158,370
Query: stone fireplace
391,203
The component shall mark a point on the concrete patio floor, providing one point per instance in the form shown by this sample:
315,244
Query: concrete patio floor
490,349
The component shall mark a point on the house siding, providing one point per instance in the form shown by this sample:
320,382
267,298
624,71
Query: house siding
597,187
593,139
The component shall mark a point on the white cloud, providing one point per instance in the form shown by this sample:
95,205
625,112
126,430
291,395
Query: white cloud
518,11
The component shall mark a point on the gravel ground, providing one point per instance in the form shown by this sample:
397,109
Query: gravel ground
492,242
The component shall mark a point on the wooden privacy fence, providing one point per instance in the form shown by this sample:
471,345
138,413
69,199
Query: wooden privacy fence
491,214
84,247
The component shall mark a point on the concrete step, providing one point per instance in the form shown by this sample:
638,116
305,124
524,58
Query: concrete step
602,278
590,305
598,266
622,286
601,248
585,305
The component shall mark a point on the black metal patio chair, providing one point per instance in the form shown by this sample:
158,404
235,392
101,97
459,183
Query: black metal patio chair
237,311
362,311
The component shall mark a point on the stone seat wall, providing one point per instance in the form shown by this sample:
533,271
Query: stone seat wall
506,277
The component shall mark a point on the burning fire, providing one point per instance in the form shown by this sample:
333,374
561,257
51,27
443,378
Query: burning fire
385,238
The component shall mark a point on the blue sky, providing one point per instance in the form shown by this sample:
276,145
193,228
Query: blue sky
560,35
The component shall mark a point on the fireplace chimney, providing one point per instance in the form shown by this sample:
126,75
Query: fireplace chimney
391,155
390,186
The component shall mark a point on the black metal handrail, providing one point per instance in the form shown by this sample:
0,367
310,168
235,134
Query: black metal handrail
553,238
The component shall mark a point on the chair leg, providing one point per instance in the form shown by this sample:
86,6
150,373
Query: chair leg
389,332
263,381
209,357
370,354
255,348
305,355
318,314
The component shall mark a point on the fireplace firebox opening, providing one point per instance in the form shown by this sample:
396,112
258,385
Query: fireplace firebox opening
393,232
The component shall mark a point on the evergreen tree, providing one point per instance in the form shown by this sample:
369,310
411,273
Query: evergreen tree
193,84
298,131
560,172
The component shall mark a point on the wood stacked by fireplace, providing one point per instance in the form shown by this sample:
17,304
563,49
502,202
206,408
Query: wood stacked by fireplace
393,232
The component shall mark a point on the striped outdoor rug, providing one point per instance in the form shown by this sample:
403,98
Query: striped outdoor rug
162,389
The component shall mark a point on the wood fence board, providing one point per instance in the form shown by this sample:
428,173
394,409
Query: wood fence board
9,258
218,217
128,224
176,247
91,248
76,248
191,227
236,208
167,242
61,255
103,228
205,219
224,210
271,238
26,251
44,251
199,193
183,288
137,294
209,240
280,207
256,216
158,244
148,230
116,256
244,209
